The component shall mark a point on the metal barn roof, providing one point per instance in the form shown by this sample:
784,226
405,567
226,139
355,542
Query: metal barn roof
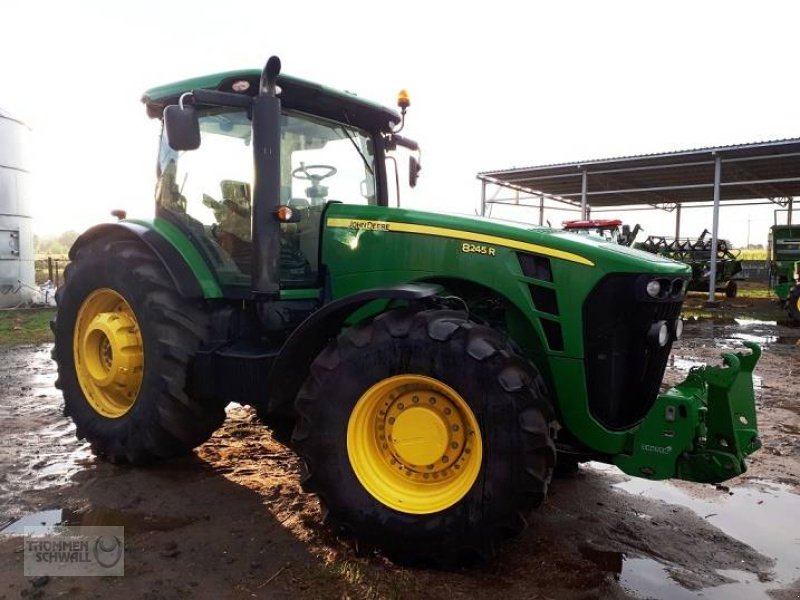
757,170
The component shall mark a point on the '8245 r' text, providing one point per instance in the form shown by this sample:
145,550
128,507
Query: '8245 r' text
477,249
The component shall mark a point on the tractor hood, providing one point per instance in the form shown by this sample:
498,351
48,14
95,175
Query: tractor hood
587,244
491,235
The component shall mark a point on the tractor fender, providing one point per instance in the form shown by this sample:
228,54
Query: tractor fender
290,368
178,270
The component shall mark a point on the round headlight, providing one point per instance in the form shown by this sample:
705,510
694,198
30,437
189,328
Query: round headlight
653,288
663,335
659,333
678,329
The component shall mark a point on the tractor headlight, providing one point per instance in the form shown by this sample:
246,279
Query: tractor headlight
653,288
659,333
678,328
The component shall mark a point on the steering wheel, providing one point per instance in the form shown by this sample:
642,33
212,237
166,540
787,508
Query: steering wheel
303,172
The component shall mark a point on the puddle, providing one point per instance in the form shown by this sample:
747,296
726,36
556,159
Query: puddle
133,522
41,458
761,339
725,335
651,579
44,518
755,323
754,330
764,517
38,448
683,363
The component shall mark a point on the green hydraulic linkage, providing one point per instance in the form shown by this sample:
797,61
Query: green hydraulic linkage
703,428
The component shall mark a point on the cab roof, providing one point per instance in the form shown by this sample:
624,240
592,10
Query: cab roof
297,94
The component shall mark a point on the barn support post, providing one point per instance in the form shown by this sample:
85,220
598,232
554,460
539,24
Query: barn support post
584,190
712,276
541,209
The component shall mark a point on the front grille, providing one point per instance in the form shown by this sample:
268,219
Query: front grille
623,368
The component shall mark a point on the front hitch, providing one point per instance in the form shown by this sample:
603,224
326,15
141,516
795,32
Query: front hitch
703,428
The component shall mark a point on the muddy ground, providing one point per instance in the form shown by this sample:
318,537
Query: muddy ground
230,522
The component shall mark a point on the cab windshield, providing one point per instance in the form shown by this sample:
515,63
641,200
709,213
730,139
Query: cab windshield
208,192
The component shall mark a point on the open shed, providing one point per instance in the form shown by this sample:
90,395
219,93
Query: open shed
756,173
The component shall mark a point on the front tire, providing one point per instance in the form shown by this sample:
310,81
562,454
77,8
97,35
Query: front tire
123,341
424,434
731,289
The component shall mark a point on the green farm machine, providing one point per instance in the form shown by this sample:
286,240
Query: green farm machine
784,266
697,254
431,371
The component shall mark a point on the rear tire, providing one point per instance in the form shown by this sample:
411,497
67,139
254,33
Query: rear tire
567,466
280,426
161,421
503,391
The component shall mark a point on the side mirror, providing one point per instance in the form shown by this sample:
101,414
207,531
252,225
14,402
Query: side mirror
413,171
182,127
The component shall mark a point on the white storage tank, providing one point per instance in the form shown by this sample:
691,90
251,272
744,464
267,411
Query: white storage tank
16,233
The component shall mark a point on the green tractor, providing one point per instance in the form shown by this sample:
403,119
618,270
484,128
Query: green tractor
784,266
430,370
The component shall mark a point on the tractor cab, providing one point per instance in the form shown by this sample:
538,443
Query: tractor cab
332,149
611,230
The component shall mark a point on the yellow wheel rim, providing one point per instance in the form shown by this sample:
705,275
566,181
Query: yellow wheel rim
109,358
414,444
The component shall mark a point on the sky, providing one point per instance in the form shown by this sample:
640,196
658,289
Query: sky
493,85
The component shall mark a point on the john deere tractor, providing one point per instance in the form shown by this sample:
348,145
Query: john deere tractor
784,266
431,371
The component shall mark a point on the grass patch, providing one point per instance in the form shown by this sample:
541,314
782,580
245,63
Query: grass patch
746,290
25,326
754,293
752,253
